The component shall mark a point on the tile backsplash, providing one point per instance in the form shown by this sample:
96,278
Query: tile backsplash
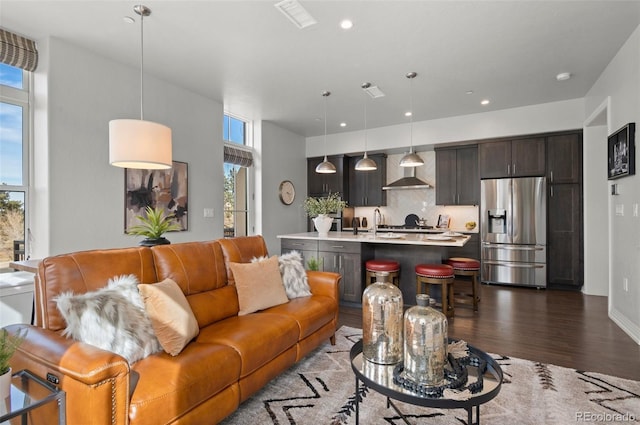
421,202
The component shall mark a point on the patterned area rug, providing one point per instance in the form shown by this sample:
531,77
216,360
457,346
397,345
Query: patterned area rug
320,390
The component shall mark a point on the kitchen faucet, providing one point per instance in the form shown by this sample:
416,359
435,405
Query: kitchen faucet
376,217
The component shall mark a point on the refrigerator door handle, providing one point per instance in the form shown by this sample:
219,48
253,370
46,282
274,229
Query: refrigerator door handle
512,248
515,265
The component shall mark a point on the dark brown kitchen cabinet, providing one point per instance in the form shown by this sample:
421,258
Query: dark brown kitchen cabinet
306,247
323,184
512,158
565,262
345,258
564,158
365,187
457,179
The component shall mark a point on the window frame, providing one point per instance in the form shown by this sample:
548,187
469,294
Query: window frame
24,98
248,146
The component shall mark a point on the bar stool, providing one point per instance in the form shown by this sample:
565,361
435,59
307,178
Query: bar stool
382,265
467,267
437,274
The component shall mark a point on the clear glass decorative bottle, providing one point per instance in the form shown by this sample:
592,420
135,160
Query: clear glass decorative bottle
425,342
382,321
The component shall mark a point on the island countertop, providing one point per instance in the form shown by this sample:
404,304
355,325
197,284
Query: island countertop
385,238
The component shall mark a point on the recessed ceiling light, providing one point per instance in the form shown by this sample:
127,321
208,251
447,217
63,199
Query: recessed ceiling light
563,76
129,20
343,124
485,102
469,92
346,24
408,114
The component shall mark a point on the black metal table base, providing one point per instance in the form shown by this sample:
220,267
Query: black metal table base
390,403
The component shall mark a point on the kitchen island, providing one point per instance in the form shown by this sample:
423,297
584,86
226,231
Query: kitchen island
346,253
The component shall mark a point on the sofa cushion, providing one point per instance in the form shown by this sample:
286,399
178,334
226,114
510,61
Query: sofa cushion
199,269
112,318
171,386
242,250
310,313
171,316
258,338
259,285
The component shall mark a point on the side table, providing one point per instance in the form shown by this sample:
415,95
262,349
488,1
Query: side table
29,392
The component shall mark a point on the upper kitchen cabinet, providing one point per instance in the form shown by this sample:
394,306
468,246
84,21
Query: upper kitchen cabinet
564,158
457,179
512,158
365,187
323,184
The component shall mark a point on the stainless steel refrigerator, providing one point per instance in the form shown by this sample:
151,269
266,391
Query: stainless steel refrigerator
513,225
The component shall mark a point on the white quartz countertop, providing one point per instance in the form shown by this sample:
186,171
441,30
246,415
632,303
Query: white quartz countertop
458,239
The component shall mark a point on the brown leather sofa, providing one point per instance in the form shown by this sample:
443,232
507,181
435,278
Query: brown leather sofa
232,357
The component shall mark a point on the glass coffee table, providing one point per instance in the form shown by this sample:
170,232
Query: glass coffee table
380,378
29,392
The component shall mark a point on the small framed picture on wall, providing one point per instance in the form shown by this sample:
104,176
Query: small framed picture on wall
622,152
443,221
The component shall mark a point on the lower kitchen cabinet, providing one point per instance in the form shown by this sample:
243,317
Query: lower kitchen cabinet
307,248
347,259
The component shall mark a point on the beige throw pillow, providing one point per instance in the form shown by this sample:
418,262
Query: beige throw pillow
259,285
170,314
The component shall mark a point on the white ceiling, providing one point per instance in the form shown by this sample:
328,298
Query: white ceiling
248,56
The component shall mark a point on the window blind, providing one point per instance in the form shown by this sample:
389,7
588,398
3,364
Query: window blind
18,51
237,156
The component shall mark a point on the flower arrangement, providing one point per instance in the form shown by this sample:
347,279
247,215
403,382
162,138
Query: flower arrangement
326,205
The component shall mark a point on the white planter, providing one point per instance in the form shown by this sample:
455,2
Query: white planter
322,224
5,385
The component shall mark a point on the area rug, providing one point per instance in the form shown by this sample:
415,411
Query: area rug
320,390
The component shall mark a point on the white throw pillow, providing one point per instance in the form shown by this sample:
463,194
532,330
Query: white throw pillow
112,318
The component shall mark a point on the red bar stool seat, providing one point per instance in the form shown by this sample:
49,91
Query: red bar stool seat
466,268
382,265
437,274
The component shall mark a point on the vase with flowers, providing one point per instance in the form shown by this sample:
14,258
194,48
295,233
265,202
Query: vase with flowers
319,209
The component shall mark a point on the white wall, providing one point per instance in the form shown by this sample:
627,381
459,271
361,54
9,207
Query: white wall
85,194
555,116
620,81
283,158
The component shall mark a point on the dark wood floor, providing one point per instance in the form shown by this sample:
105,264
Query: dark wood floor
559,327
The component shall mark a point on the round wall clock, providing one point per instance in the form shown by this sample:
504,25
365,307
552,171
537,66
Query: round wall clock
287,192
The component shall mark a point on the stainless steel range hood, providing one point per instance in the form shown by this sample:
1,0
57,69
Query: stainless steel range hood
409,181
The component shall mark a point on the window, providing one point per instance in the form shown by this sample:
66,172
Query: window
14,154
238,158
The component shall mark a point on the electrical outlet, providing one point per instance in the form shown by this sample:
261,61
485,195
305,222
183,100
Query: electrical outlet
635,210
620,209
625,284
208,213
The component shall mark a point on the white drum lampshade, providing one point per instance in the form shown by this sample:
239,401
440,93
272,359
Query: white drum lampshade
139,144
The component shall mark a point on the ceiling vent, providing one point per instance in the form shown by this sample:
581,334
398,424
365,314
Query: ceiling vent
374,92
297,14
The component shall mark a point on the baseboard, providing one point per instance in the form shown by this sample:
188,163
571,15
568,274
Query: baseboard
625,324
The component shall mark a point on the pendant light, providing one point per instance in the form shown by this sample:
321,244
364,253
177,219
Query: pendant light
140,144
325,167
366,163
411,159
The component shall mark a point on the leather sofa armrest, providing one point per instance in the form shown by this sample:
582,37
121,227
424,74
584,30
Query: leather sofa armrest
44,349
324,283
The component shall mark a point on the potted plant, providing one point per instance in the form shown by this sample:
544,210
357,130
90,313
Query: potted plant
314,264
320,208
153,225
8,345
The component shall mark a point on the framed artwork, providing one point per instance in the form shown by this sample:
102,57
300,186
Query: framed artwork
622,152
167,189
443,221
